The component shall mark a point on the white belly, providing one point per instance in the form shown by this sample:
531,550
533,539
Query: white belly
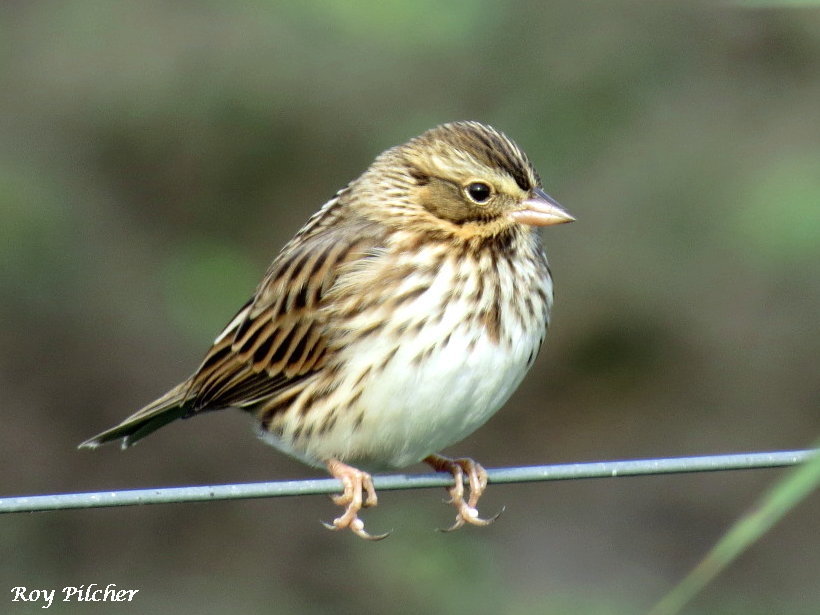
413,411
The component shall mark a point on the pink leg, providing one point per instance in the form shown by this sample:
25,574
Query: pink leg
355,481
477,477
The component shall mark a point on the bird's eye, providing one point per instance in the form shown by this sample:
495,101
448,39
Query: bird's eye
478,191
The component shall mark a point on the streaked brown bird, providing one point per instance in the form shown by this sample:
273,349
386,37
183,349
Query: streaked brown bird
396,322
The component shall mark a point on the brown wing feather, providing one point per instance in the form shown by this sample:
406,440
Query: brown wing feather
278,341
279,338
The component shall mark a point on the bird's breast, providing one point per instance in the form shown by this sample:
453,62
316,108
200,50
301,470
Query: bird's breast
430,348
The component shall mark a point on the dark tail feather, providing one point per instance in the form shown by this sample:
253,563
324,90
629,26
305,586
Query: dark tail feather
159,413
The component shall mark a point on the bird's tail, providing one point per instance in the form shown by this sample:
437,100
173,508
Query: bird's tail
158,413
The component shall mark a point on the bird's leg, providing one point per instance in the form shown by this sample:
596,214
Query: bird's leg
477,477
354,481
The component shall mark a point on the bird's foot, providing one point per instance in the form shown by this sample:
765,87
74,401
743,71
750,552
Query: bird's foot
355,482
477,477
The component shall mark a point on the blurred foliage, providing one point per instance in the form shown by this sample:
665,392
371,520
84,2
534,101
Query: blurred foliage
770,509
202,281
154,156
781,217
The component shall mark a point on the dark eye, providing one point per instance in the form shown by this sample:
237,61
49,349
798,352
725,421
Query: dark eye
479,191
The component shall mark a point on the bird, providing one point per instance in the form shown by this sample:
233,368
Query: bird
396,322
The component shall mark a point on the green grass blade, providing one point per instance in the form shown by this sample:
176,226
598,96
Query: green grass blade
773,506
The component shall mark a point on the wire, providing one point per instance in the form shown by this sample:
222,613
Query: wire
572,471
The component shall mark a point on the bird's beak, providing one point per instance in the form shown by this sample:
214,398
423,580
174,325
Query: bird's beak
541,210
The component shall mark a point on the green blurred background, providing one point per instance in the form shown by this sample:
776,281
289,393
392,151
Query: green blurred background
154,156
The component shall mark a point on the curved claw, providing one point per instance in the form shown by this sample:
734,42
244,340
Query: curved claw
357,527
470,516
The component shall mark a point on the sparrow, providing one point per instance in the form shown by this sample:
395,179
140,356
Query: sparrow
397,321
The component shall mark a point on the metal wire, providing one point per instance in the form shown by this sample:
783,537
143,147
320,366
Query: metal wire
572,471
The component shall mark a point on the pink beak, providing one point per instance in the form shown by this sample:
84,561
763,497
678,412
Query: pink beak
541,210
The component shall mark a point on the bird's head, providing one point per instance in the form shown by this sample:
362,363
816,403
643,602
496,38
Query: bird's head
464,179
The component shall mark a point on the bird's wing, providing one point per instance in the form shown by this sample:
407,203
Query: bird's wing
278,340
280,337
